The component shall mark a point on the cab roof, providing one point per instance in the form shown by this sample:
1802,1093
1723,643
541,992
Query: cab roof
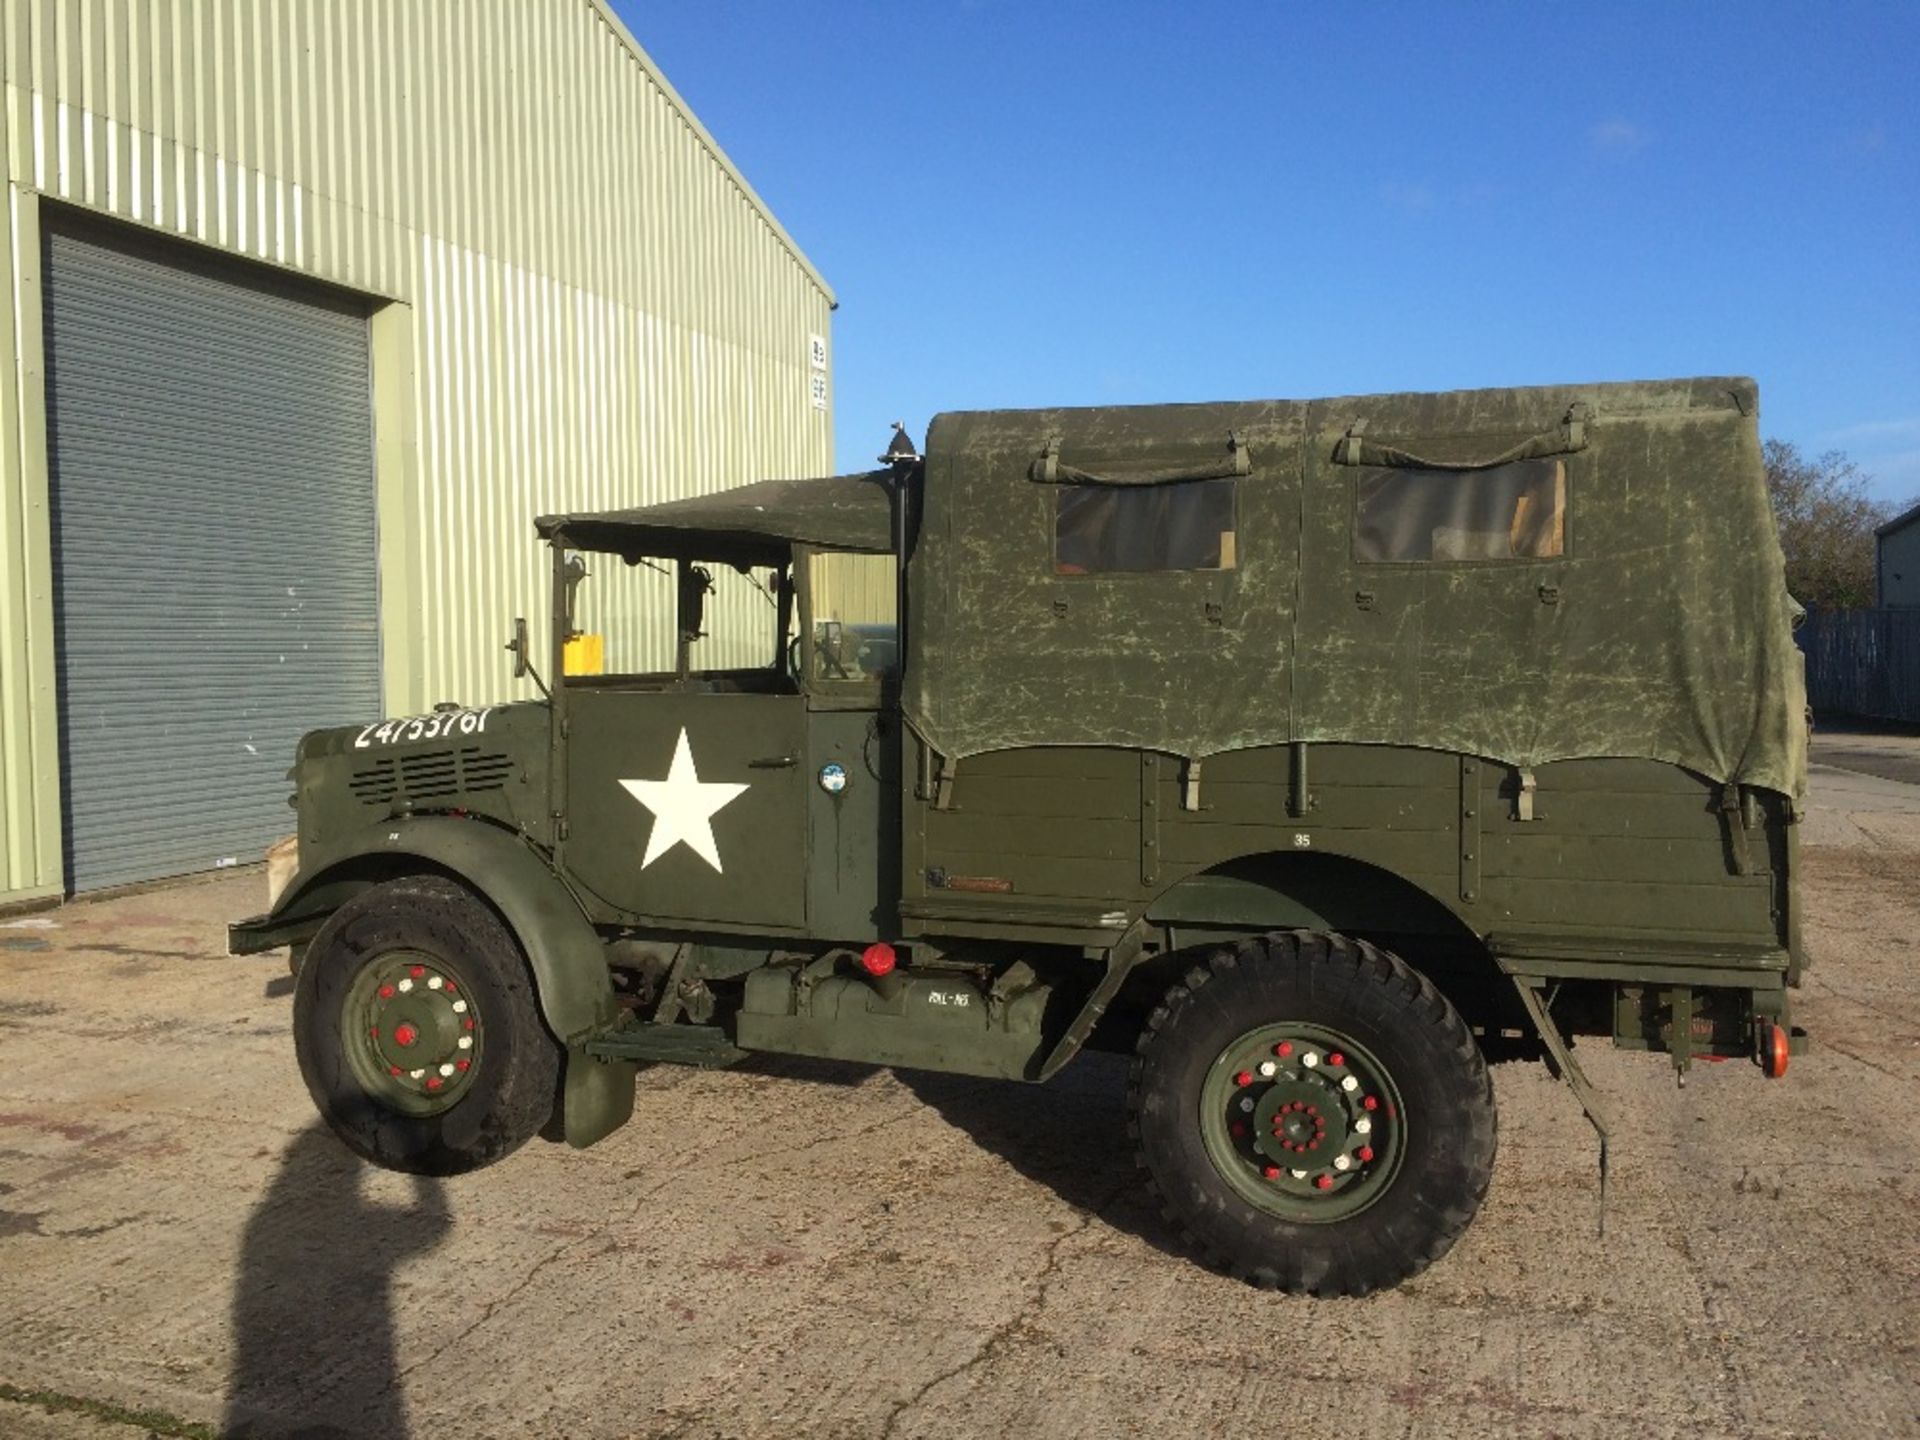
754,524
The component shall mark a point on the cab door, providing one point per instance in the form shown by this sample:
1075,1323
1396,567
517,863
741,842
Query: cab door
689,808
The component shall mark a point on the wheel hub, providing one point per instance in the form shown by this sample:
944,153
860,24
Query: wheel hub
1302,1121
413,1032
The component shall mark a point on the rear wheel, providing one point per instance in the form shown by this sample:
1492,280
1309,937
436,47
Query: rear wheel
417,1031
1313,1114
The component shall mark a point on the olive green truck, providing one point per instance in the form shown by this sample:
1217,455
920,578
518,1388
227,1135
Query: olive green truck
1300,750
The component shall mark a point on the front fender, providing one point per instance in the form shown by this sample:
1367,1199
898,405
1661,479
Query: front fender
571,979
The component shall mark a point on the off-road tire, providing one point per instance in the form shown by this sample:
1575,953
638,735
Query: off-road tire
514,1090
1346,986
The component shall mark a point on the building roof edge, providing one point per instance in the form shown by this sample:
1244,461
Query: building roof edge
1899,522
604,9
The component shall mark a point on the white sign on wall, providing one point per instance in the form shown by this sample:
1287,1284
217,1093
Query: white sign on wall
819,389
817,351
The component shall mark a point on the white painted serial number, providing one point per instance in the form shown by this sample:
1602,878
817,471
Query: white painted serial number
423,727
958,999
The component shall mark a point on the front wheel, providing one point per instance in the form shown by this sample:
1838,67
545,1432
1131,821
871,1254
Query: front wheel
417,1031
1313,1114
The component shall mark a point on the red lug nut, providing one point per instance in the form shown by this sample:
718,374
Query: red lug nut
394,1070
404,1034
1237,1130
1283,1049
1370,1103
417,971
1336,1058
386,992
461,1064
1325,1182
1365,1153
1244,1078
1272,1172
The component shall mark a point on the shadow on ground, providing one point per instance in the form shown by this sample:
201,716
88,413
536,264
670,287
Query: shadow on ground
1069,1135
314,1355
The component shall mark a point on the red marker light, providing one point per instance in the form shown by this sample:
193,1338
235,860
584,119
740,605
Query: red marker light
878,959
1775,1051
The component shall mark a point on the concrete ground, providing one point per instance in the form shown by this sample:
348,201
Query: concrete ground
805,1248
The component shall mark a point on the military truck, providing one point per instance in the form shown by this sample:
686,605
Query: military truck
1302,750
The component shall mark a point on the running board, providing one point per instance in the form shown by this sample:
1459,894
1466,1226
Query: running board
703,1045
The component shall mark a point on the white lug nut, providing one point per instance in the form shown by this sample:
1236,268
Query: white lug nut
1349,1084
1310,1059
416,1074
1341,1162
1363,1126
435,983
459,1007
448,1070
405,985
1246,1103
1298,1174
1268,1069
466,1042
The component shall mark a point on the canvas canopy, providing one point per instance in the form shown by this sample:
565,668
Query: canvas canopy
751,525
1526,575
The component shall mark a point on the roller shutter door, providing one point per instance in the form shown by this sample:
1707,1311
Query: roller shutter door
210,440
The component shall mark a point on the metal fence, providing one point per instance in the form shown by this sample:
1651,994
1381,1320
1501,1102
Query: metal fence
1863,662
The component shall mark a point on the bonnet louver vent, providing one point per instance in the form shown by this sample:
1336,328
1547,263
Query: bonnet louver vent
376,783
430,775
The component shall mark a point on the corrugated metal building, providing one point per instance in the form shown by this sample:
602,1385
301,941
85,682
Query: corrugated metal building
1896,547
312,305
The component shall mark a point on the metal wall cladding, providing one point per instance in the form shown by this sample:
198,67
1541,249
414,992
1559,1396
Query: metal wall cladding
193,647
594,308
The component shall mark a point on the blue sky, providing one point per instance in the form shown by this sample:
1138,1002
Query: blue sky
1074,204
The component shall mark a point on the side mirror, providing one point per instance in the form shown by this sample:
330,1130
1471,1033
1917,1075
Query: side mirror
517,647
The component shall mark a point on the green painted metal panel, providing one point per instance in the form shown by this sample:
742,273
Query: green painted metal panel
686,808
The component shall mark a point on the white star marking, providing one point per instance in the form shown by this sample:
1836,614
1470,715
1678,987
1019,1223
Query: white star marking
683,807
